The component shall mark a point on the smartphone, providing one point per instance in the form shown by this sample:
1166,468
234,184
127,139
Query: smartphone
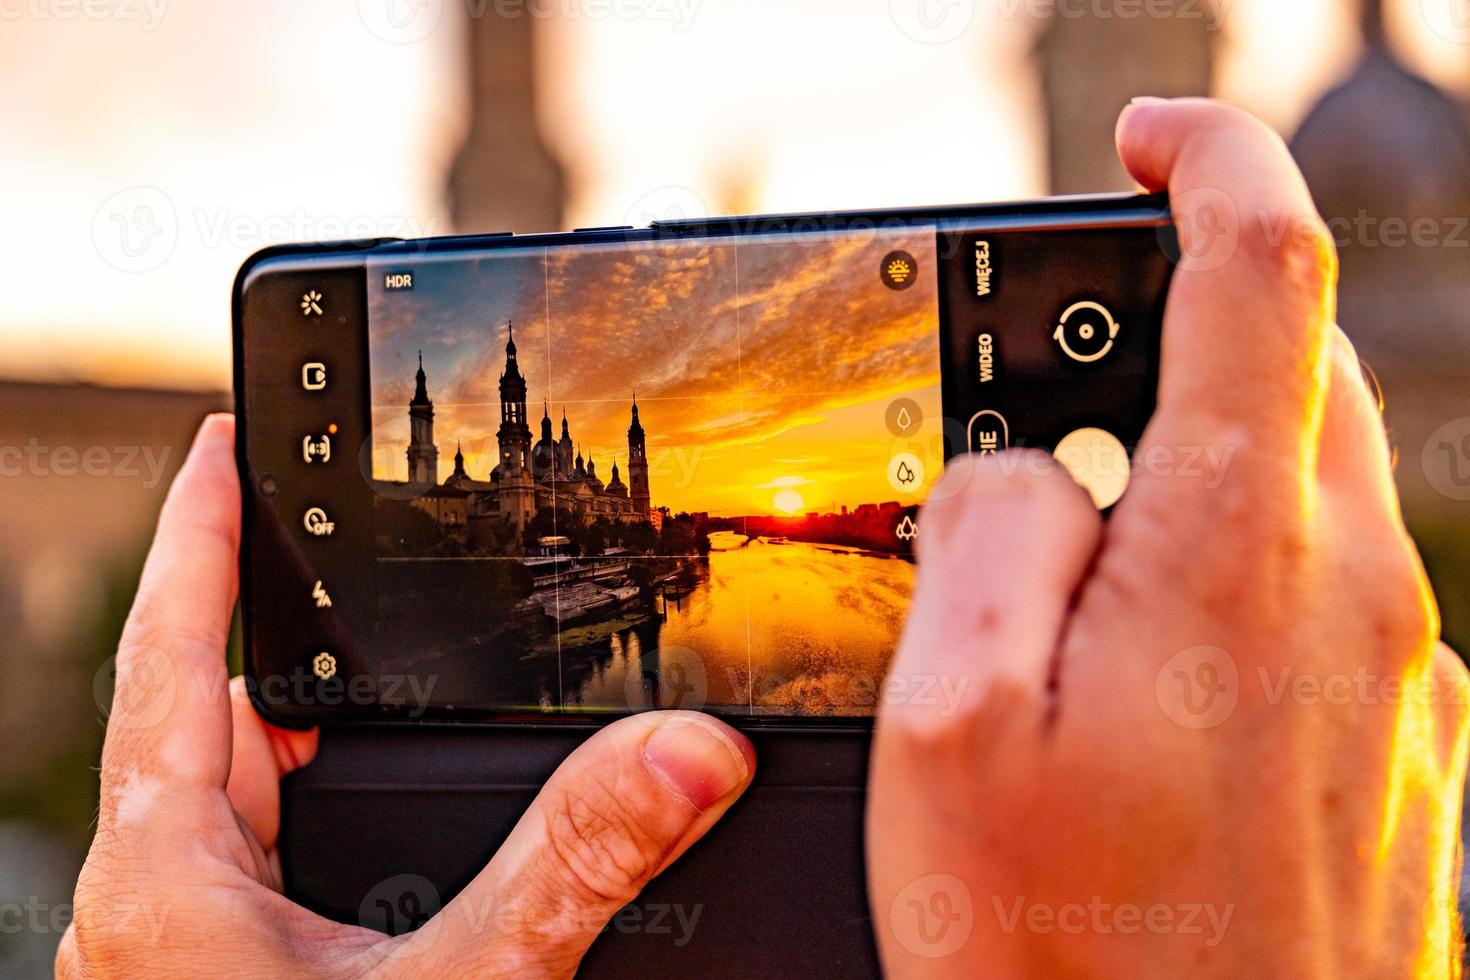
556,479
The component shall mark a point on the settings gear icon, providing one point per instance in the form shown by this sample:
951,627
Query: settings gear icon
324,665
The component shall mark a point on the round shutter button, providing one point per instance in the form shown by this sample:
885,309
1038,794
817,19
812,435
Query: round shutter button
1098,462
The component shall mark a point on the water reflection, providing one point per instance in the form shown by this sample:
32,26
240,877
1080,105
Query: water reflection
772,626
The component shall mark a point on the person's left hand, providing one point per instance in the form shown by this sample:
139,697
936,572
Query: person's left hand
183,876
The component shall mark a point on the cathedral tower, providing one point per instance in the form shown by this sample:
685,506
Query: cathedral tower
637,466
564,449
514,434
423,455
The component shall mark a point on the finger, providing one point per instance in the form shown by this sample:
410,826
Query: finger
1243,361
1355,458
1005,543
624,805
261,756
169,729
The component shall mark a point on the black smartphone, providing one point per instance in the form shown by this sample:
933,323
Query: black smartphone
555,479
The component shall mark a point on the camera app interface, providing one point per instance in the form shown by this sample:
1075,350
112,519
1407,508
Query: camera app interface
638,475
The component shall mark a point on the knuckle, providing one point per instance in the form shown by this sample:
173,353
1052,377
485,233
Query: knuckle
1020,484
954,740
1452,680
1402,619
1297,249
599,848
98,943
66,966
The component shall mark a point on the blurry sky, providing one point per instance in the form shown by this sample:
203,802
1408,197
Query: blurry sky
147,147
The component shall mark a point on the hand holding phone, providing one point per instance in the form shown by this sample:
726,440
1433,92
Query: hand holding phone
1219,736
185,872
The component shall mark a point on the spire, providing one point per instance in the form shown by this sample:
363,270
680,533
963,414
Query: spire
459,460
564,433
510,339
421,390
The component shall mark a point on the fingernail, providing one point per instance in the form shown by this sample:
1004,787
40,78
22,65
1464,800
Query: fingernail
1148,100
696,760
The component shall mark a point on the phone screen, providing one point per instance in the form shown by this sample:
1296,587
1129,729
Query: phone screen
648,474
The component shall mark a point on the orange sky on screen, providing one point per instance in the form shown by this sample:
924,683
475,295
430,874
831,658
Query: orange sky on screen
763,372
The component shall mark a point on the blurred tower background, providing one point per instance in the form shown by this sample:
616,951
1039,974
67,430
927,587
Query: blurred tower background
504,177
1387,156
1093,65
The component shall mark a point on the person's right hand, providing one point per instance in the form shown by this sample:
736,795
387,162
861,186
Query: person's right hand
1217,735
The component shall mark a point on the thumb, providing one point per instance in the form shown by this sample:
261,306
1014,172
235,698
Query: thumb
619,810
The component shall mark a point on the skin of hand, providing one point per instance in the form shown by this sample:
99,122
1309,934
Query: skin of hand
1217,734
183,878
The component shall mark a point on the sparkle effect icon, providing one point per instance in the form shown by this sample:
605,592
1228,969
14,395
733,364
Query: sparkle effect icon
324,665
311,303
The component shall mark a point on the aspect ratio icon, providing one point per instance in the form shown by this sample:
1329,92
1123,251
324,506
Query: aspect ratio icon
318,449
313,375
1082,327
317,524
